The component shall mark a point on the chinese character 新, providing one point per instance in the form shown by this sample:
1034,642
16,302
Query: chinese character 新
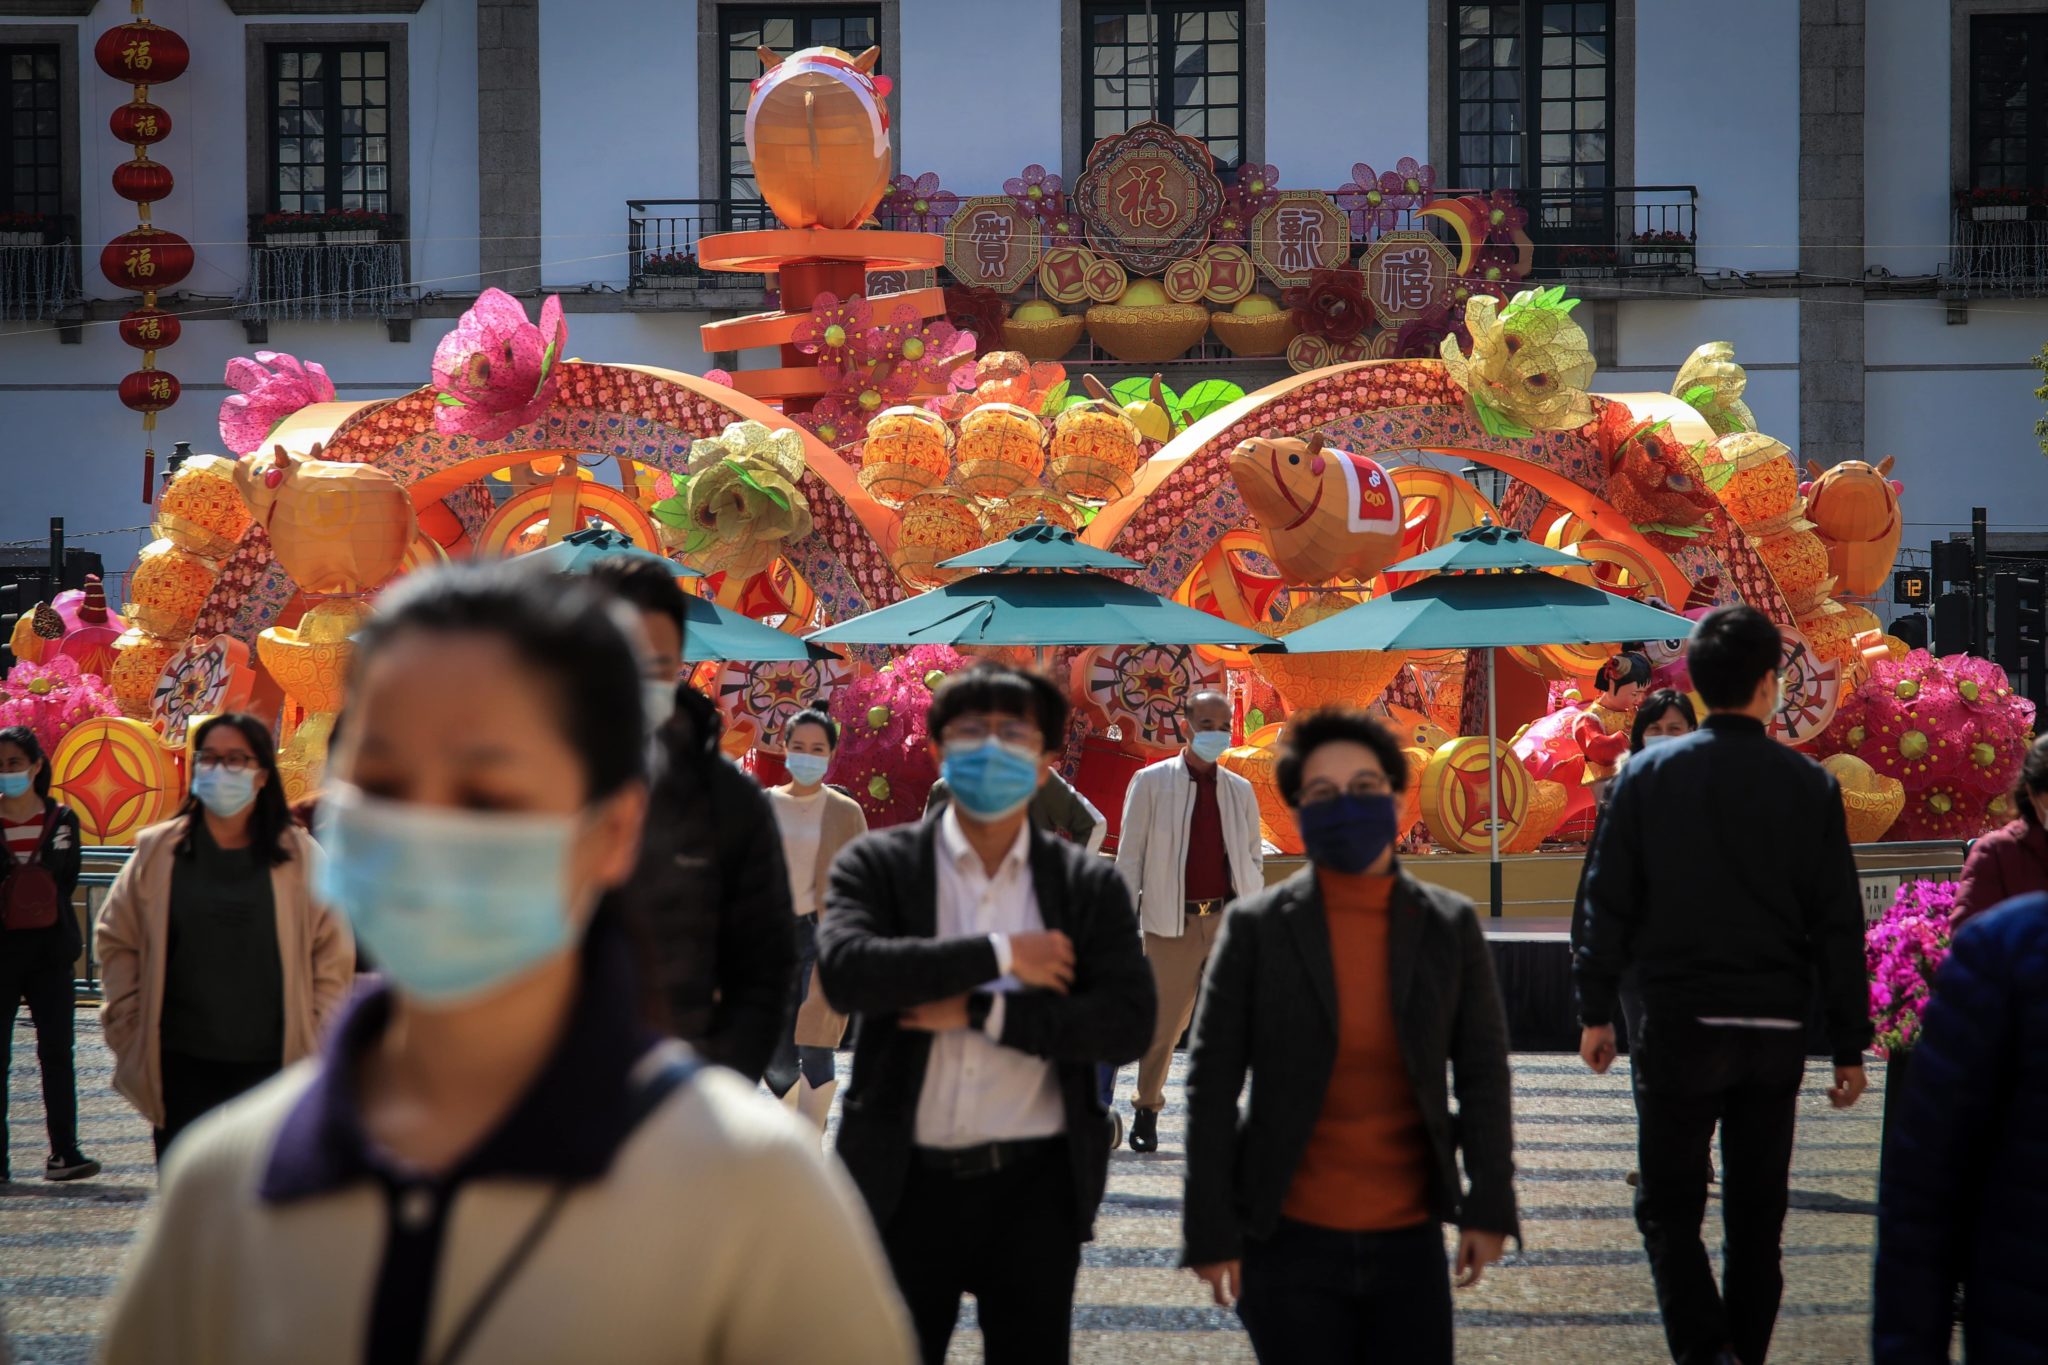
1300,235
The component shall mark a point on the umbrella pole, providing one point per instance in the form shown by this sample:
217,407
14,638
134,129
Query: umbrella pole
1493,779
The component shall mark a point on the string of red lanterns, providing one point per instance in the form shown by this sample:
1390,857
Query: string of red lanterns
148,258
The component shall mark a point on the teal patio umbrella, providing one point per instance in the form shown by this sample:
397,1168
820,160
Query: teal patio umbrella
577,551
1048,593
1487,590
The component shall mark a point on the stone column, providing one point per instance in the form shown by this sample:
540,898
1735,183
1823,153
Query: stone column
1831,300
508,143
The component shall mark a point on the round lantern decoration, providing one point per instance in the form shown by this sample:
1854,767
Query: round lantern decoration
139,658
147,259
1095,452
147,329
907,451
140,123
143,181
168,587
1001,449
149,392
1143,689
117,776
202,510
142,53
935,527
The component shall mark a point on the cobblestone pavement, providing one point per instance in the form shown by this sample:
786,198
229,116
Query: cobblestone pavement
1579,1292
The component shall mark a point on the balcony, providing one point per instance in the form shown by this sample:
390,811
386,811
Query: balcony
1999,245
38,267
325,267
661,252
1621,232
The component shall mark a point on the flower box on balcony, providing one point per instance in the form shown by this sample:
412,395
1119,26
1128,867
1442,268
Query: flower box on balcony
8,239
352,237
291,239
1997,213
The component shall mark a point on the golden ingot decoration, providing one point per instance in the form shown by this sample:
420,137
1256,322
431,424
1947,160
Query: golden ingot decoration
336,528
1001,449
1095,452
936,526
1456,801
1043,338
1257,761
1547,801
1870,800
907,452
1251,335
1530,362
1004,519
1306,680
1149,334
139,659
201,510
743,493
167,588
311,663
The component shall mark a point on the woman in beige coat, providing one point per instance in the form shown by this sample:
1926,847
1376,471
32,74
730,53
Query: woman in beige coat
218,967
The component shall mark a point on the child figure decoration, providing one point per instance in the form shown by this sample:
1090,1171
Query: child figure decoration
1601,729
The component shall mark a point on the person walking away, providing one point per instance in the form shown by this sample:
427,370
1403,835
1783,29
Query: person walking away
816,822
1721,874
1964,1166
1188,845
2012,860
1057,807
993,966
498,1158
218,963
40,941
711,888
1344,993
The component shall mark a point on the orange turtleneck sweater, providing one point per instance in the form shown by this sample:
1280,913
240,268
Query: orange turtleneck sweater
1366,1167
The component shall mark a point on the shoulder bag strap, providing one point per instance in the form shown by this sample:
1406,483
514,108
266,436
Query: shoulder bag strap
674,1073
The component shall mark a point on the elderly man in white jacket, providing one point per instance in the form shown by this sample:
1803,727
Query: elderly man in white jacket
1188,846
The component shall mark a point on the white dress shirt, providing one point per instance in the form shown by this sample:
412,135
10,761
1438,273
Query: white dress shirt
975,1089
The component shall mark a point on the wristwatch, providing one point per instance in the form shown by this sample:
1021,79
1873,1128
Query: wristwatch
978,1006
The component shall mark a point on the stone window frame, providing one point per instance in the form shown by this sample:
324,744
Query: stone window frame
711,93
63,37
1074,145
1960,13
257,40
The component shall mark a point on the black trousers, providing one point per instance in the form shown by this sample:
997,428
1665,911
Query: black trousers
35,967
194,1085
1008,1239
1688,1075
1317,1296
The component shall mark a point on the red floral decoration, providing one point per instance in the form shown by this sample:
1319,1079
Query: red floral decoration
1332,304
971,308
1422,338
1500,215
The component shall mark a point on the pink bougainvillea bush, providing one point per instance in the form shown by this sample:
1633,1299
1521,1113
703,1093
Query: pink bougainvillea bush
1903,949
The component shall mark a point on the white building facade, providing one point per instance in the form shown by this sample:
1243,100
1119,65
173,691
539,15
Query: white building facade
1809,151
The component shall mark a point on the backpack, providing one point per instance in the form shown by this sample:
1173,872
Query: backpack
28,897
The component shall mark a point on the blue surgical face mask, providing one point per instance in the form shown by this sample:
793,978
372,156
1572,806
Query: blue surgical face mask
16,784
451,904
807,769
990,779
1209,745
224,793
1348,833
657,702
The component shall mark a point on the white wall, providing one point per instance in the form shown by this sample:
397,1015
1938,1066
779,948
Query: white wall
1346,81
1906,135
980,87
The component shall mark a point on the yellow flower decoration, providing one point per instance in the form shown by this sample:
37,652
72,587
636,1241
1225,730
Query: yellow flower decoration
1529,366
743,503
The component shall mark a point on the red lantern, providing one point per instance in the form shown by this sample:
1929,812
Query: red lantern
147,258
151,329
149,391
140,123
143,182
142,53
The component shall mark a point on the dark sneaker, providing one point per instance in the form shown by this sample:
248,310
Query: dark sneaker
1144,1130
1116,1130
70,1167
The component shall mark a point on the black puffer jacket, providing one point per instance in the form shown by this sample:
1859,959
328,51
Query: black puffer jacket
59,854
713,891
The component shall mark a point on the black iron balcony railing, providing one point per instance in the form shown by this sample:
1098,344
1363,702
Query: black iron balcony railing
662,236
1619,231
1998,248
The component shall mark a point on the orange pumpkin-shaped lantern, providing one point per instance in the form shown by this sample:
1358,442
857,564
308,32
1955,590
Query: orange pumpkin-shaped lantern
139,660
1001,449
907,451
1257,761
201,509
337,529
1307,680
936,526
1095,452
1019,510
1799,565
1855,511
166,588
817,132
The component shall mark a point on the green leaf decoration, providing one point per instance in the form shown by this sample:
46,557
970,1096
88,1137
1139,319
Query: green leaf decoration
1088,514
775,496
1208,396
547,363
1055,398
1676,532
1698,395
1138,389
1254,721
1498,423
672,512
446,400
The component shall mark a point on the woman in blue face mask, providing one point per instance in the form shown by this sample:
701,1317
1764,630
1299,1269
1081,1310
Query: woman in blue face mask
1345,992
815,823
220,965
497,1157
40,940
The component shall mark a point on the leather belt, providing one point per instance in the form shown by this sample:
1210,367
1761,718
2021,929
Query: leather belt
965,1163
1208,907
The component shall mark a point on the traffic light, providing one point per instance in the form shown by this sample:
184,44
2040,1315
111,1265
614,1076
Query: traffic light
1912,587
1911,628
1951,561
1951,624
2030,622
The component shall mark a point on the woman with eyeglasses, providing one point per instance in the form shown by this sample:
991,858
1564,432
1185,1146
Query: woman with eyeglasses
498,1159
219,965
1344,992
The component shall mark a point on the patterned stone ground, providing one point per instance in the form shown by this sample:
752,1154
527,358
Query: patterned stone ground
1579,1292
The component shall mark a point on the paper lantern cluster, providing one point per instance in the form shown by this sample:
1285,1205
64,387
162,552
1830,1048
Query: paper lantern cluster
147,259
199,521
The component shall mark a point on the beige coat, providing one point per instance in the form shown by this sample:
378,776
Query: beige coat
843,821
317,953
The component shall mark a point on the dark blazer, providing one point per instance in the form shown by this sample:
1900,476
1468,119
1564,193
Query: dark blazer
1269,1008
1965,1185
877,957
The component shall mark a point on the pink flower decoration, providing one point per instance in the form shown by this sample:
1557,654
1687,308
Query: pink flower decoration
496,371
1256,186
836,332
718,376
270,388
837,420
1371,207
1036,192
1413,182
53,698
1233,223
1501,216
920,205
1062,229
